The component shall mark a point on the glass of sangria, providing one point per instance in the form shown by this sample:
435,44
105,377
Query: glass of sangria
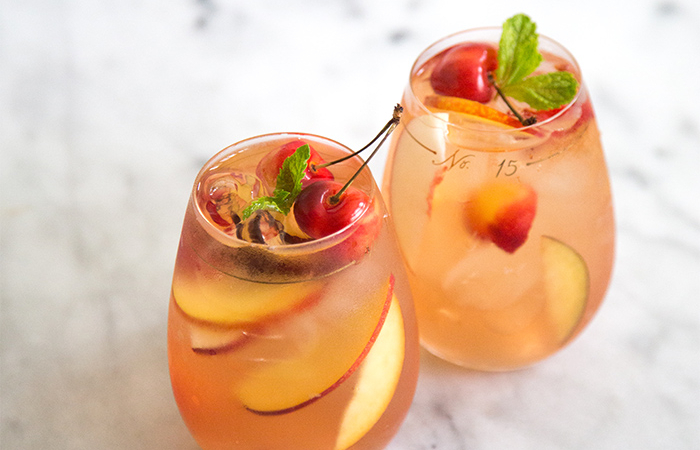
499,191
291,323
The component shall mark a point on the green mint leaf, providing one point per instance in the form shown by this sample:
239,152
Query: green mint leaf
518,56
293,169
268,203
288,185
546,91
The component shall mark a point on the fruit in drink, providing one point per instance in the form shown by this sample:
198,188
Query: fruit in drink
502,212
237,301
321,211
211,340
270,165
310,376
377,381
463,71
474,109
566,281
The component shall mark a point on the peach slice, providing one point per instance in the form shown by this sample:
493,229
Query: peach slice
207,340
289,385
474,109
377,380
502,212
566,282
231,301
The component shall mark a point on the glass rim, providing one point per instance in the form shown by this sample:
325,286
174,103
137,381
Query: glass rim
456,38
301,247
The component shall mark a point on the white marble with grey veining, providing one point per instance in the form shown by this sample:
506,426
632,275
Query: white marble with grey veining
108,109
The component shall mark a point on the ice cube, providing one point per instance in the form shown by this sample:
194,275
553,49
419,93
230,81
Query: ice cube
225,194
261,228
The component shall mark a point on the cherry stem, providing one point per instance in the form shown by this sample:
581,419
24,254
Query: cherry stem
386,131
529,121
398,109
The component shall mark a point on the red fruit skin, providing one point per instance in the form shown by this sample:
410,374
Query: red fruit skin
269,166
318,217
462,71
215,216
512,225
351,370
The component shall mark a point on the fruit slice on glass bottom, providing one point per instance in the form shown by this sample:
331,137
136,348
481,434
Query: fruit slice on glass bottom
566,283
286,386
377,380
230,301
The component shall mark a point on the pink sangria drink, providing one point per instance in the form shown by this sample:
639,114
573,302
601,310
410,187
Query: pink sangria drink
499,191
291,325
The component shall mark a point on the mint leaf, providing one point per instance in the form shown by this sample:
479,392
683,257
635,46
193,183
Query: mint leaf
518,56
268,203
288,185
546,91
293,169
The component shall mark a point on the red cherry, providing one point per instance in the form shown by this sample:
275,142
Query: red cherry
462,71
318,215
270,165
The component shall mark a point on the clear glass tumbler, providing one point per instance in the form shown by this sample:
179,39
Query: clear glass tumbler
279,340
507,230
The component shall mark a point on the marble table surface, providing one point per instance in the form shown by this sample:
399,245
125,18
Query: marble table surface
108,109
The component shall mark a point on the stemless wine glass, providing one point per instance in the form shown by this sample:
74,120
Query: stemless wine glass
466,184
290,343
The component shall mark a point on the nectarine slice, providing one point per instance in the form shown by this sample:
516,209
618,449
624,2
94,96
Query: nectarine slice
207,340
377,380
232,301
566,283
284,386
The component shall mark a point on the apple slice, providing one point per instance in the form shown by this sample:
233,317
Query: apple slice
231,301
566,282
288,385
377,380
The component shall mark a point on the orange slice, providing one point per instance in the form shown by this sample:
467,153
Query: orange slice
472,108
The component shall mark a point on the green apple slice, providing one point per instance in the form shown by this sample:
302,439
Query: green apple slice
377,380
566,283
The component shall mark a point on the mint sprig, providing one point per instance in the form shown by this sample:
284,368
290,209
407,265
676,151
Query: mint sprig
546,91
518,57
287,187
